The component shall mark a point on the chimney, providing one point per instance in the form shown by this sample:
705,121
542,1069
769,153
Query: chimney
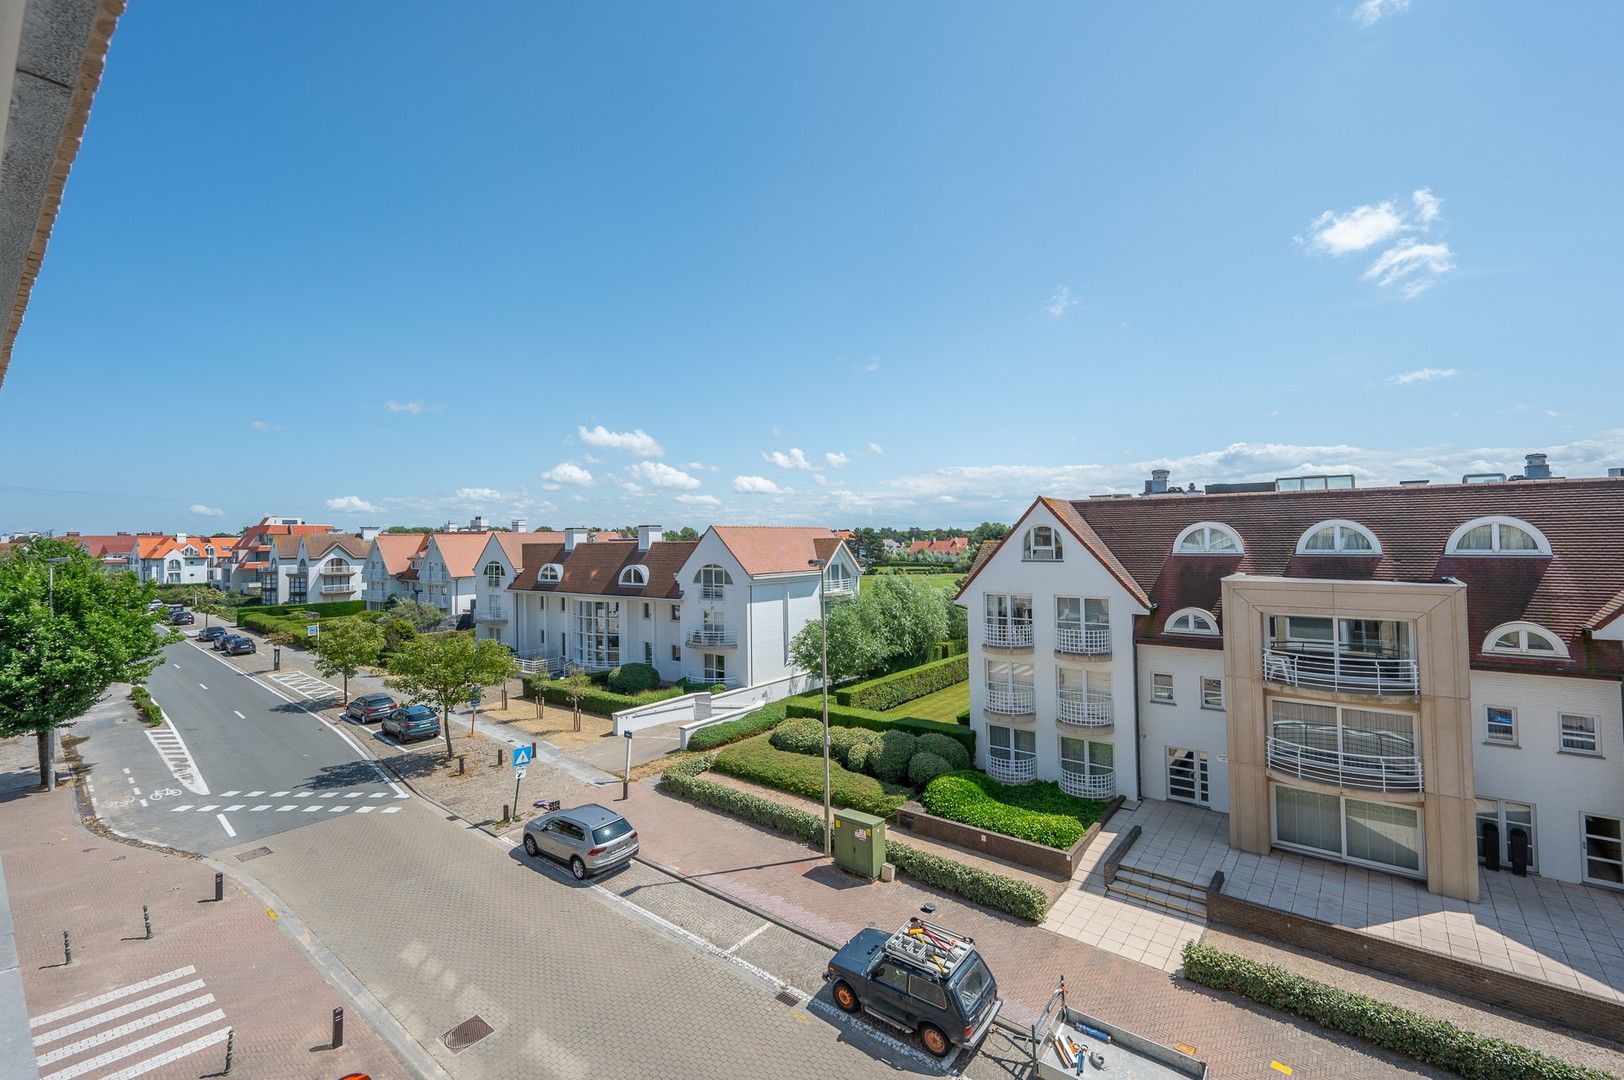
1536,469
520,525
1157,484
576,535
648,535
478,524
369,532
181,537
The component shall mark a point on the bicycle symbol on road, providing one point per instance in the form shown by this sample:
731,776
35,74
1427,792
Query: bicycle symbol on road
161,793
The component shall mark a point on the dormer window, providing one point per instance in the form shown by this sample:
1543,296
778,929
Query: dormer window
1192,620
1042,544
1208,538
1524,639
1497,536
712,579
494,573
549,574
1339,538
634,577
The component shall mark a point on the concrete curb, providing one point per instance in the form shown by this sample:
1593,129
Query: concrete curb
16,1037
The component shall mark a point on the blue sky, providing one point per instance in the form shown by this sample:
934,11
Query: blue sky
601,266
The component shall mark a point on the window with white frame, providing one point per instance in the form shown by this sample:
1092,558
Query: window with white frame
1187,776
1208,538
1192,621
494,573
1524,639
648,653
1499,824
715,667
837,577
1161,688
1042,544
1212,693
1603,844
1502,725
1338,537
1086,757
712,579
1011,745
634,577
1497,536
1579,734
597,634
550,573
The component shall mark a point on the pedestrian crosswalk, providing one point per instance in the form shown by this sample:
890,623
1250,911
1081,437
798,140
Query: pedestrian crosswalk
292,802
156,1021
306,686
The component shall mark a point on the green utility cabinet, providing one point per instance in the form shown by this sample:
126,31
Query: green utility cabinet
859,843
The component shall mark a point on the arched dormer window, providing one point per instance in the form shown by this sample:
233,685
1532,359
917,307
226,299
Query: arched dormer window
1339,537
549,574
1041,544
634,577
1497,536
1208,538
174,566
1524,639
1192,620
712,579
494,573
338,566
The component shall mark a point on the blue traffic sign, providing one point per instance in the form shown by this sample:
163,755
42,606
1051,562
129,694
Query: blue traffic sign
521,756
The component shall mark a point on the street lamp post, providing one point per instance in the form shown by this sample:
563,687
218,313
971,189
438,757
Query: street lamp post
823,629
49,764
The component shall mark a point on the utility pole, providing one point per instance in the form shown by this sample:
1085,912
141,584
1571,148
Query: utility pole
823,628
48,765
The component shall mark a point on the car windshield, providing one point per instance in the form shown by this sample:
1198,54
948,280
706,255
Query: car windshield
973,985
612,831
419,712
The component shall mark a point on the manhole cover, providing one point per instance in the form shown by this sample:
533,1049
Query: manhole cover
466,1034
256,853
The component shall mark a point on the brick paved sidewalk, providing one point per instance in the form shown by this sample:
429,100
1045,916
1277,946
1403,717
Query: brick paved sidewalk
61,876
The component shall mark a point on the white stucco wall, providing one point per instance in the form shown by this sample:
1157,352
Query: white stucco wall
1183,724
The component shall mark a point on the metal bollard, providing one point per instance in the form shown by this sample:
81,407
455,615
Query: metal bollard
532,750
462,763
231,1046
67,948
499,753
338,1028
219,887
146,918
505,812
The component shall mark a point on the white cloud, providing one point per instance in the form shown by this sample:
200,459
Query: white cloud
1426,374
874,448
637,441
206,511
409,408
566,472
1060,301
1353,230
836,459
1426,205
757,485
699,500
700,466
479,495
776,433
660,475
264,425
872,366
1371,12
795,459
820,478
1412,265
351,504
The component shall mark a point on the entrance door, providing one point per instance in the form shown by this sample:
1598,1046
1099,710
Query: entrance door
1187,776
1603,850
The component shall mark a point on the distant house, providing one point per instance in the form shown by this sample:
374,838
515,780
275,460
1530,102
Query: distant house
321,567
893,547
241,567
945,550
386,565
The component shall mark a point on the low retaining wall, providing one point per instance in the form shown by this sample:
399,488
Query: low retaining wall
1118,852
1039,857
1503,989
702,707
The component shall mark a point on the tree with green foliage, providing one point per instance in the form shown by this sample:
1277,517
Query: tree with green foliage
855,644
447,668
910,615
345,646
576,682
68,630
423,616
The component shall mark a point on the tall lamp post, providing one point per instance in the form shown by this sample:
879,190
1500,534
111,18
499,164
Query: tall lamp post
49,764
823,629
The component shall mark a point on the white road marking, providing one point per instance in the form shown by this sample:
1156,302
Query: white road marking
118,1011
211,806
143,802
126,772
238,715
103,1037
748,938
178,809
129,779
311,809
285,809
172,748
255,794
354,794
363,809
226,825
130,1049
234,809
339,809
229,794
399,794
390,809
204,687
376,795
328,795
303,794
257,809
111,995
141,1068
279,794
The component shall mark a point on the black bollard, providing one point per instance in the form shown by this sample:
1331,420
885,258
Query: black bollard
338,1028
462,763
231,1045
499,753
219,887
146,918
67,948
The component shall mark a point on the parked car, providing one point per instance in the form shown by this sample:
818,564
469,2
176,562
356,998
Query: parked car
154,605
589,839
221,641
182,618
412,723
237,645
211,633
922,979
370,707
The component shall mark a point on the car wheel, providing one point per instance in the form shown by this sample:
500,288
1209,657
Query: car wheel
530,847
845,997
578,868
934,1039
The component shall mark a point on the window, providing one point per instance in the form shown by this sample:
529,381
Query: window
1212,693
893,976
1011,744
715,668
1161,689
1503,827
676,653
1502,725
1187,779
634,577
1524,639
1042,544
837,577
494,573
926,989
1497,536
1579,734
1339,537
597,634
1379,834
549,573
1604,849
648,610
1208,538
711,579
1085,757
1192,621
676,612
648,653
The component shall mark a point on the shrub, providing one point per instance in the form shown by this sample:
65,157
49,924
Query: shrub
890,762
843,740
925,766
325,609
802,735
860,757
915,682
601,702
862,718
633,678
752,723
800,774
949,750
684,780
151,715
963,717
1039,812
1432,1042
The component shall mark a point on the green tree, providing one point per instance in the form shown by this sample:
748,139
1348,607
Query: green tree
854,643
576,682
910,616
206,598
423,616
63,644
345,646
447,668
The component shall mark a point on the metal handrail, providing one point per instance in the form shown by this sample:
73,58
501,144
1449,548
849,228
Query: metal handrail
336,588
711,592
1085,708
1364,771
490,614
1008,633
1011,699
701,679
1021,767
1096,782
1340,671
712,637
1083,639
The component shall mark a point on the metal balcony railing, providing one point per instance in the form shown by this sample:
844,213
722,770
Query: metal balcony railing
699,678
711,592
1343,672
1083,639
490,615
1364,771
1011,699
1018,768
337,587
1085,708
1089,782
843,586
713,637
1008,634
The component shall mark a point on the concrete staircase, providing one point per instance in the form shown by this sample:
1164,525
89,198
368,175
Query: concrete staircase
1158,890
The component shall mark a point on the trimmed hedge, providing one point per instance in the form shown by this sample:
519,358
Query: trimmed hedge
633,679
843,741
963,717
925,766
1431,1042
151,715
944,649
765,718
759,761
949,750
802,735
889,691
601,702
862,718
1039,812
1005,894
324,608
890,761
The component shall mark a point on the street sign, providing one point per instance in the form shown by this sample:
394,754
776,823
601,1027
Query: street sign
313,630
518,774
521,758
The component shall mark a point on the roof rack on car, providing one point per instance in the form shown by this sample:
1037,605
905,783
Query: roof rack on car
929,946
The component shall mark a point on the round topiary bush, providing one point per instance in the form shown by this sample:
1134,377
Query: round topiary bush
925,767
945,747
799,735
861,753
842,739
890,761
633,678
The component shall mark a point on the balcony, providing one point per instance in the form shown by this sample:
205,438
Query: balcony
843,586
1341,672
699,678
1089,782
1085,708
1008,634
336,571
713,637
1020,768
329,587
1364,771
1011,699
711,592
492,614
1083,639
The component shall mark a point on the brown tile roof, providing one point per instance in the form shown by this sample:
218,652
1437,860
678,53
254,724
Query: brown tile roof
1608,612
513,543
772,549
101,545
1080,530
397,549
353,546
461,550
826,546
953,545
594,568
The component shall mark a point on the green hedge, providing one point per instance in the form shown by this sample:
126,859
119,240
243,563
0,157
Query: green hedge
1432,1042
944,649
973,883
326,608
760,762
963,717
863,718
1039,812
151,715
763,719
595,700
889,691
272,624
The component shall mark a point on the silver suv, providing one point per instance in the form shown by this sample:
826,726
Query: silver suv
590,839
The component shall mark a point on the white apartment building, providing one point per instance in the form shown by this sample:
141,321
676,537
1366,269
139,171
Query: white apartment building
1417,679
389,557
314,568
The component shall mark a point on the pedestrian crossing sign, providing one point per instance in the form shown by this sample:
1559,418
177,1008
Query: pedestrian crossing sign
521,757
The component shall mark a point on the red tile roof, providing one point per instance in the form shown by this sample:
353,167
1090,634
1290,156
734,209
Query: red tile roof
953,545
772,549
397,549
595,568
513,543
461,550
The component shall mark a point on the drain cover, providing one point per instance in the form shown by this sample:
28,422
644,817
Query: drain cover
466,1034
787,998
256,853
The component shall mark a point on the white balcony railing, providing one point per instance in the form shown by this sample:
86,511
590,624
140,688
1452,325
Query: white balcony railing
1342,672
699,678
1085,708
1083,639
713,637
1011,699
337,571
1365,771
1018,768
711,592
1089,782
337,587
493,614
1008,634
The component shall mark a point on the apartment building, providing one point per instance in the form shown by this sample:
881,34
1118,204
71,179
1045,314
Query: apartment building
498,564
1416,679
313,568
242,568
388,559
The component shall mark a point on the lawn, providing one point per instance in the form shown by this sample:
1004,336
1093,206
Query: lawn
939,581
944,705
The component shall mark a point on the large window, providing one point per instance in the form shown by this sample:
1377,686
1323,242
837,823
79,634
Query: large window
1192,621
549,574
597,634
1009,621
1375,834
494,573
1187,779
837,577
1503,827
715,667
1338,537
711,579
1344,746
1086,757
1208,538
1603,849
634,577
1497,536
1042,544
1011,746
1082,625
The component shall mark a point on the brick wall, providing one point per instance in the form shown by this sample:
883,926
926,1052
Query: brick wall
1039,857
